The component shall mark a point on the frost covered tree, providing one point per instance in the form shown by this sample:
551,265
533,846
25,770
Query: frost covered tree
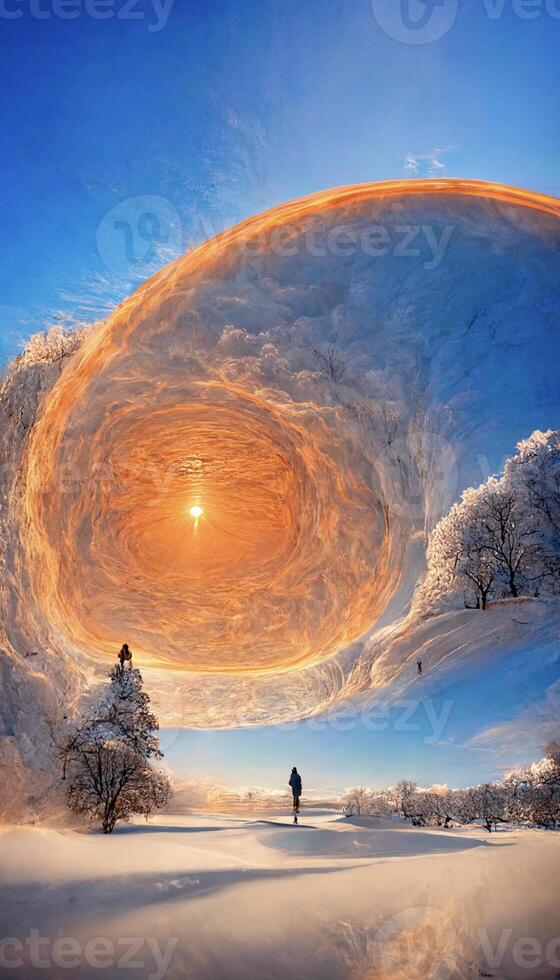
508,531
438,806
106,755
435,806
502,539
535,469
360,802
529,795
489,804
110,782
52,345
460,565
460,550
124,711
356,802
406,800
534,791
330,364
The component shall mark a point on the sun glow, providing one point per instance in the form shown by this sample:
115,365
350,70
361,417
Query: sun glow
196,511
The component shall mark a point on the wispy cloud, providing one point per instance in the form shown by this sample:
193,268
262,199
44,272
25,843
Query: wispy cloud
430,164
533,729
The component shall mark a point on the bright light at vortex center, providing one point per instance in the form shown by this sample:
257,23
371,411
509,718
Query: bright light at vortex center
292,563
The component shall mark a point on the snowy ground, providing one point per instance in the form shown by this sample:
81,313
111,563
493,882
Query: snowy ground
226,897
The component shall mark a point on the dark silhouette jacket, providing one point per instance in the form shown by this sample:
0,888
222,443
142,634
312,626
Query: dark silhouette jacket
295,783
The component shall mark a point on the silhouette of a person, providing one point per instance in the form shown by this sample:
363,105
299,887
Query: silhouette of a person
419,665
295,782
124,654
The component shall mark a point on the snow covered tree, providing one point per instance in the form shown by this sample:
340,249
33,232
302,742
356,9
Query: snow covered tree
360,802
124,711
357,802
439,806
502,539
528,795
435,806
330,364
489,801
52,344
535,791
105,755
381,804
535,469
474,559
512,529
406,799
460,557
110,782
464,806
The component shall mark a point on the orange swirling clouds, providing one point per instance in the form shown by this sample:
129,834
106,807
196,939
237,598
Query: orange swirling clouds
172,404
268,576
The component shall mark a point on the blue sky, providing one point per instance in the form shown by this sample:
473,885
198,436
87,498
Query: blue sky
232,106
229,107
428,734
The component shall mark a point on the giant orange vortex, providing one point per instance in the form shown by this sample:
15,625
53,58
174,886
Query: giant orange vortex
205,390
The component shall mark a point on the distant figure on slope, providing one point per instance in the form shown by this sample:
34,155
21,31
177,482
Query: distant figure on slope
295,783
125,654
419,665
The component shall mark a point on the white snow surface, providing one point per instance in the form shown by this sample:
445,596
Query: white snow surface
215,896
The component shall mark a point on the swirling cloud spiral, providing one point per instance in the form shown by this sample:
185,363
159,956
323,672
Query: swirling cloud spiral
235,473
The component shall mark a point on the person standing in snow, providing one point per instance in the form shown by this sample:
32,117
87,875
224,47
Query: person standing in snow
125,654
295,783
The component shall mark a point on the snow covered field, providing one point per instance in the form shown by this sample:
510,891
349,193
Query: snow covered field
225,897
